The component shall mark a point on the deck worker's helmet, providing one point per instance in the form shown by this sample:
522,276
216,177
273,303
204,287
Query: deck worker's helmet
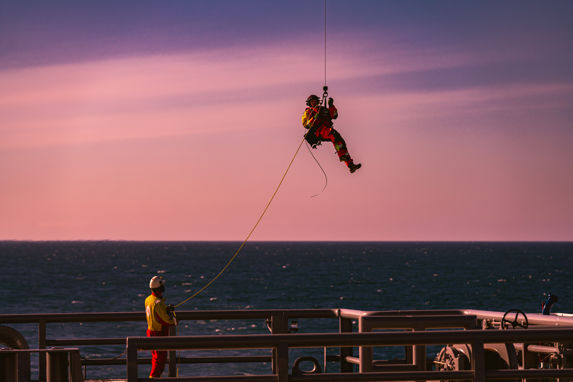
312,97
156,282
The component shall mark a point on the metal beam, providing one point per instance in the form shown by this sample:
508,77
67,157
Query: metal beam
264,341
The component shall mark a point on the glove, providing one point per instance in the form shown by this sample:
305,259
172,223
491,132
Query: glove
171,313
330,101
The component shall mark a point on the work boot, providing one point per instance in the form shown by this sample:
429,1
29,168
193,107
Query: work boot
353,167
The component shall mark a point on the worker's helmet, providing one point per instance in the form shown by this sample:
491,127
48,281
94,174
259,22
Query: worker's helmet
312,97
156,282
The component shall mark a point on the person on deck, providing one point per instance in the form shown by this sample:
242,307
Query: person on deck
318,120
159,318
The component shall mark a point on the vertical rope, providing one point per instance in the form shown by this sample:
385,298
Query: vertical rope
324,42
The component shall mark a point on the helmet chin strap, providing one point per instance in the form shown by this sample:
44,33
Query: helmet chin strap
159,291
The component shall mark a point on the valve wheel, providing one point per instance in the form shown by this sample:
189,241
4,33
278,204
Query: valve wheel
505,322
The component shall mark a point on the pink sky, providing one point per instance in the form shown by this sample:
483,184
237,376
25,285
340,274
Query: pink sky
191,145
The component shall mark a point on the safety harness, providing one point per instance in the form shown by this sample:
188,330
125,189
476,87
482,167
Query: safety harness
323,115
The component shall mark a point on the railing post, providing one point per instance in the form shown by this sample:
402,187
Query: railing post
76,366
8,366
529,360
57,366
478,361
131,361
419,352
172,354
282,362
364,352
279,325
345,326
42,355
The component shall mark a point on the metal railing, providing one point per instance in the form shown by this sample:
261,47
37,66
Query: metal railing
281,343
278,320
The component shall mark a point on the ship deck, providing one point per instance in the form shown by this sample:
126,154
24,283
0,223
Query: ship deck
499,345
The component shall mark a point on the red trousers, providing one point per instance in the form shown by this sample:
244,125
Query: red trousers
326,133
158,358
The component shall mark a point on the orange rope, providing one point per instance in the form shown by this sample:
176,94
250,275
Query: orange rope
250,233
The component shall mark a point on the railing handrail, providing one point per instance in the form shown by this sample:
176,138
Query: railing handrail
181,315
305,340
281,343
51,350
534,318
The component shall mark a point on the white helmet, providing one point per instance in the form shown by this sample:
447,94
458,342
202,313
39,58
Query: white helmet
156,282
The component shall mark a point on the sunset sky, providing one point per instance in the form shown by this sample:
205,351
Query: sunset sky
175,120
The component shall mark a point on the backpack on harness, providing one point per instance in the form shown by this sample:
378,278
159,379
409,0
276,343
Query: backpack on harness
311,137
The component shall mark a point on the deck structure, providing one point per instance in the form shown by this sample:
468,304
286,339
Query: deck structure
475,345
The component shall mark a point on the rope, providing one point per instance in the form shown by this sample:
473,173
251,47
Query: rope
325,94
321,169
323,104
250,233
324,42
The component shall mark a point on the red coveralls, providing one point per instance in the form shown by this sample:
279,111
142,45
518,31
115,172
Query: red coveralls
158,323
325,131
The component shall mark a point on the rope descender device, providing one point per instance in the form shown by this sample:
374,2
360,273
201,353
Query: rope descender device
324,94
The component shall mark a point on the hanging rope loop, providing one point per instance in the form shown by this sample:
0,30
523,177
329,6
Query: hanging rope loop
321,169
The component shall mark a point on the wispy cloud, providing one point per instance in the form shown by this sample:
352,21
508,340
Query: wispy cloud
131,97
182,94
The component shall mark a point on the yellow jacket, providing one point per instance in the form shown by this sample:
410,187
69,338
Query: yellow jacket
156,312
312,116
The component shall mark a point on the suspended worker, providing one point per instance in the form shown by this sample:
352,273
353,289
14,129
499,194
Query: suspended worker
318,119
160,318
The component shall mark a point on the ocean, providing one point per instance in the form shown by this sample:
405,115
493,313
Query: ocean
98,276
